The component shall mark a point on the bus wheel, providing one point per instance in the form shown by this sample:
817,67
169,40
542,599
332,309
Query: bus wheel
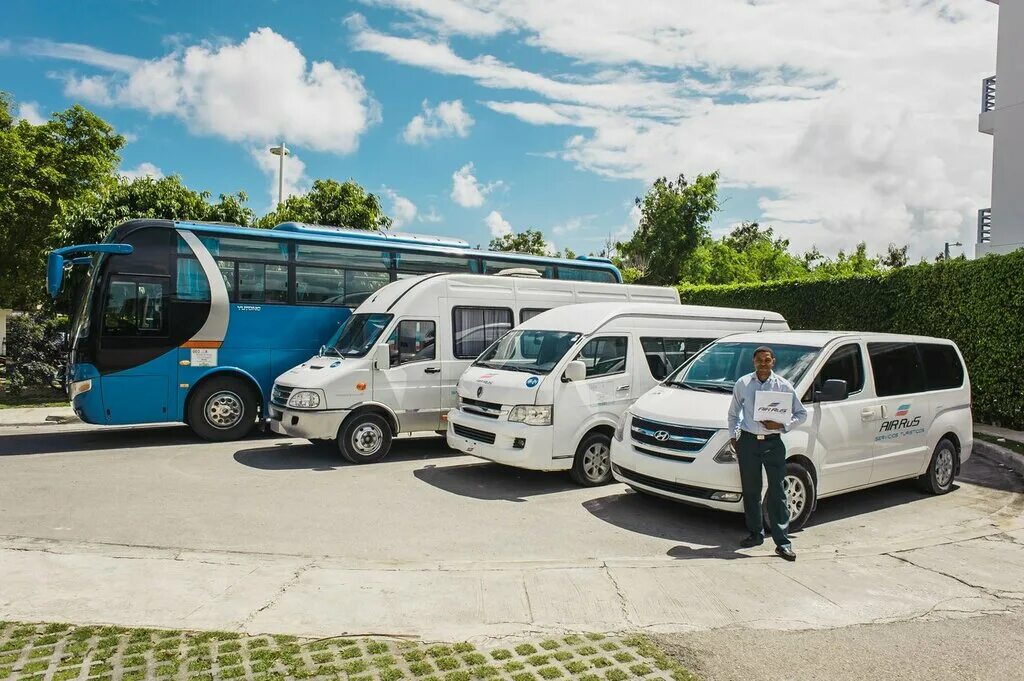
365,438
222,408
592,465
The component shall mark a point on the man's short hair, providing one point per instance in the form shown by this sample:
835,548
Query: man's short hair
764,348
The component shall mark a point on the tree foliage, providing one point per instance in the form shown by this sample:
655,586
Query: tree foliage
35,355
329,202
529,241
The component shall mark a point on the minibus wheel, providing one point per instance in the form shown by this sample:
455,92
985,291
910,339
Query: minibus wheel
592,465
222,408
800,494
938,479
365,438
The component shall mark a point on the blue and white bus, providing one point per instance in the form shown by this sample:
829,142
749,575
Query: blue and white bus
191,322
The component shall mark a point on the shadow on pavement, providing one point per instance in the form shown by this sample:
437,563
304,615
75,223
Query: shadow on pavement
55,442
494,482
987,473
324,456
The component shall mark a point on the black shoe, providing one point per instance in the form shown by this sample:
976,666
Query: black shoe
752,540
786,552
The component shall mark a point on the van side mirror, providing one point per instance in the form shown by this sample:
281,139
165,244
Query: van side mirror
381,356
575,371
834,390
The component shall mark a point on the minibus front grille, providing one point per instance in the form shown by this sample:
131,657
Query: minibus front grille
280,394
473,434
491,410
668,436
664,485
665,455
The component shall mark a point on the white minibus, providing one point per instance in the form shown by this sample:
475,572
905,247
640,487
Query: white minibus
880,408
392,366
548,395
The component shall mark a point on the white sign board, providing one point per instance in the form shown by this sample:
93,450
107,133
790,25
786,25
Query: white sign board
773,406
204,357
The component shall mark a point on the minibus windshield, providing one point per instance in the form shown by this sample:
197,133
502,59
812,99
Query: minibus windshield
357,335
532,352
720,365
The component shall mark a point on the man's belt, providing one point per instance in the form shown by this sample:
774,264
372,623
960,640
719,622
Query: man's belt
770,436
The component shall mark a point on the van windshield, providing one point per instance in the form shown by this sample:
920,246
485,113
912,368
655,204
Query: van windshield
720,365
533,352
357,335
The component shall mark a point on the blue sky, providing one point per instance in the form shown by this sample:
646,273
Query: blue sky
833,123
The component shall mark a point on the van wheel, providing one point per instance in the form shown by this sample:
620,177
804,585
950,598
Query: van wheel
366,438
800,495
222,408
592,465
938,479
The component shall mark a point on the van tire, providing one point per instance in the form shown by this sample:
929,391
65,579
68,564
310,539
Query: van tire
222,408
592,465
364,438
800,483
938,479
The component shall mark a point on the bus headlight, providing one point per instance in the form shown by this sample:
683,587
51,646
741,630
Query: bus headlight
79,387
531,415
727,454
304,399
620,427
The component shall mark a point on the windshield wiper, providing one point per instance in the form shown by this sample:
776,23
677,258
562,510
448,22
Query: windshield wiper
692,386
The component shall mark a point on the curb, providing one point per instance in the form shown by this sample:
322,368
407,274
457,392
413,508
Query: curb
1006,457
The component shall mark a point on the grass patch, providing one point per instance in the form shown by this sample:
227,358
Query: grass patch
550,672
624,657
577,666
550,644
538,660
501,654
616,675
562,655
376,647
461,675
474,658
485,671
525,649
439,651
414,655
641,670
514,666
463,647
601,662
421,668
447,663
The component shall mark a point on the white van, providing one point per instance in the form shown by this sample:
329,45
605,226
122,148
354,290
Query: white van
548,395
880,408
362,389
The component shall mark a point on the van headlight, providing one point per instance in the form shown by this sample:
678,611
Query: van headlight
304,399
531,415
727,454
620,427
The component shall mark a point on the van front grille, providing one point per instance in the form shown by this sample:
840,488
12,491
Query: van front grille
669,436
491,410
280,394
473,434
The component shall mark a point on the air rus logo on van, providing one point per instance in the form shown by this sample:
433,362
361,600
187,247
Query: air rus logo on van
901,420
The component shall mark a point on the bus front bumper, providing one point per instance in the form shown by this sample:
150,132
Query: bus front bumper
312,424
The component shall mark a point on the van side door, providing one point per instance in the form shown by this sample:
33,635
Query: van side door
907,410
607,388
842,438
411,385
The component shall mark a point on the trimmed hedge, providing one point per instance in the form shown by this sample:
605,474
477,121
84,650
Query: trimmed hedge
977,303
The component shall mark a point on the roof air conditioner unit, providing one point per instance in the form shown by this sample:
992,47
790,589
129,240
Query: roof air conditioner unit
527,272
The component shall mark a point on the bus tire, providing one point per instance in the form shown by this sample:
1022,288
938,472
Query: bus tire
800,494
938,479
365,438
592,465
222,408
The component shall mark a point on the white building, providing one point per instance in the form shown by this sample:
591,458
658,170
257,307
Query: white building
1001,227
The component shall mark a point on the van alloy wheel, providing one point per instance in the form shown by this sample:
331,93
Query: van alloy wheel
596,461
224,409
367,439
795,495
944,467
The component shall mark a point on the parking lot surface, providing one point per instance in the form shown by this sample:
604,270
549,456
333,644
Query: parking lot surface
149,527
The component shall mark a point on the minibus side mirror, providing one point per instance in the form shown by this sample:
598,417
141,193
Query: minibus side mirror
575,371
834,390
381,356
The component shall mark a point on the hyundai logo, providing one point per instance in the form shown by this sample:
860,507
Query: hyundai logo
479,391
661,435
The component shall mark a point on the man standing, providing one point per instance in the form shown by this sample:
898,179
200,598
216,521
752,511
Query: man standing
759,443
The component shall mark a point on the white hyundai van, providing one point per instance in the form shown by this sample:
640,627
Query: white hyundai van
548,395
880,408
392,366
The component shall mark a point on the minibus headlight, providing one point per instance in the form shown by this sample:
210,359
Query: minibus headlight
727,454
304,399
620,427
531,415
79,387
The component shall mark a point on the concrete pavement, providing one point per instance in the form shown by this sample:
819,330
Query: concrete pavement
36,416
149,527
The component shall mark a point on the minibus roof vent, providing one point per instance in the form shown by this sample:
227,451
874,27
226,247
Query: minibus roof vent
527,272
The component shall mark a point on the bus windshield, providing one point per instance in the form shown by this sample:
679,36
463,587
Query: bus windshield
80,319
720,365
533,352
357,335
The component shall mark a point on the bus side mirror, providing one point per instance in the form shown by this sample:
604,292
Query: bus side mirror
381,356
834,390
575,371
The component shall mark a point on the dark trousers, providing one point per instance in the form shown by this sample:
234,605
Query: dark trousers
770,453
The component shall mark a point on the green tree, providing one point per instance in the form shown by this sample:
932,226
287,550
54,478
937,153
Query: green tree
35,355
845,265
673,223
895,257
529,241
329,202
45,171
747,254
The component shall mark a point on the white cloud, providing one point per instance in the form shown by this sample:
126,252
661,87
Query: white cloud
259,90
84,54
467,191
295,179
567,227
858,122
498,225
402,211
450,15
29,111
448,119
431,216
144,169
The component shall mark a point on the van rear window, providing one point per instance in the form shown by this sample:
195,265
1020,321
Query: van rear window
942,366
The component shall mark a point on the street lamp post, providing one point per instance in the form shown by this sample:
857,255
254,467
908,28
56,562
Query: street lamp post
945,251
283,152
